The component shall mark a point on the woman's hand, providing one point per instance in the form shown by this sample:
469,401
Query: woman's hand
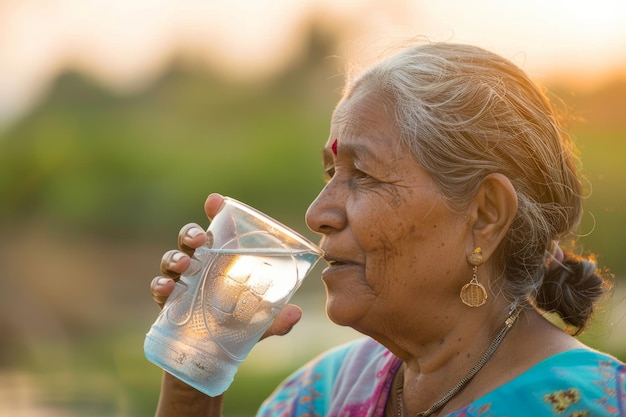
178,398
175,262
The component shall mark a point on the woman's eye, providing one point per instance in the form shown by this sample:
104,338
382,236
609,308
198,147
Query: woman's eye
328,174
362,176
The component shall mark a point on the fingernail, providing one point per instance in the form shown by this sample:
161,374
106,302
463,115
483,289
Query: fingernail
194,231
162,281
176,257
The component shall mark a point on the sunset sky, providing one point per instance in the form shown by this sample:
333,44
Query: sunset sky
125,43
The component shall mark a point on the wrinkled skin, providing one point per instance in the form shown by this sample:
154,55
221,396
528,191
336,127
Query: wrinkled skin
397,257
396,249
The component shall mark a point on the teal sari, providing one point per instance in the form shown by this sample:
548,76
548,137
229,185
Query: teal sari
354,380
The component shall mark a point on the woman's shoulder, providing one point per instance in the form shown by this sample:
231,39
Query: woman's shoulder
333,378
584,355
585,366
579,382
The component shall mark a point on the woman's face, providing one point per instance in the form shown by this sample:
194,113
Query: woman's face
396,251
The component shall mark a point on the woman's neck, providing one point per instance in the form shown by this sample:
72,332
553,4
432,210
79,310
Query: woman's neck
431,374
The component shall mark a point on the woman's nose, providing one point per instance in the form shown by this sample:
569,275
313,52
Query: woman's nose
327,212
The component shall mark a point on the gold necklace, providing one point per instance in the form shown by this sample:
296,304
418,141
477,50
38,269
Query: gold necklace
495,343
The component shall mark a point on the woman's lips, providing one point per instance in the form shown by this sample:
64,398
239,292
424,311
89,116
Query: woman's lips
336,264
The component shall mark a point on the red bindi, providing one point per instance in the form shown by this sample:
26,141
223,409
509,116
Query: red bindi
334,147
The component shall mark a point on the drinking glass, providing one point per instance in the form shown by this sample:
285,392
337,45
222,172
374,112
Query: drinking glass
248,270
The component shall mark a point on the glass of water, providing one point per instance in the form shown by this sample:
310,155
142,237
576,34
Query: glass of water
248,270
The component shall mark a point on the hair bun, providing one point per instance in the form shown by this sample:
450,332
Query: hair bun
571,288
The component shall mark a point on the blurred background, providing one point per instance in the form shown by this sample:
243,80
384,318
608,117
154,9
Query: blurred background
117,118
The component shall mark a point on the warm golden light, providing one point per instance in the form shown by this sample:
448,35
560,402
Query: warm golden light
126,44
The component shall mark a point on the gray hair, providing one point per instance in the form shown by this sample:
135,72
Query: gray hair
466,113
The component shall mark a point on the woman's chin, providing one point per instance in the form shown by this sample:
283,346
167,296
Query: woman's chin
341,311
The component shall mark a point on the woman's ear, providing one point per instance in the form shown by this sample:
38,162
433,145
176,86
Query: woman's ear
493,210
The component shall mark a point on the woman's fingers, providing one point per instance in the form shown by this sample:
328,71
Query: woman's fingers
213,204
161,288
191,237
174,263
284,321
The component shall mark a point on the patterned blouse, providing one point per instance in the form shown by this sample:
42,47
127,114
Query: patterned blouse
354,380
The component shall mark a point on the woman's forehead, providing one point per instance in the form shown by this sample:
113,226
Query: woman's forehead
360,113
374,146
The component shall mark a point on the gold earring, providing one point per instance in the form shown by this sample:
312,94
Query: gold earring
474,294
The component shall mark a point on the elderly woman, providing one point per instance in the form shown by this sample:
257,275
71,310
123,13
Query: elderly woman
450,184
